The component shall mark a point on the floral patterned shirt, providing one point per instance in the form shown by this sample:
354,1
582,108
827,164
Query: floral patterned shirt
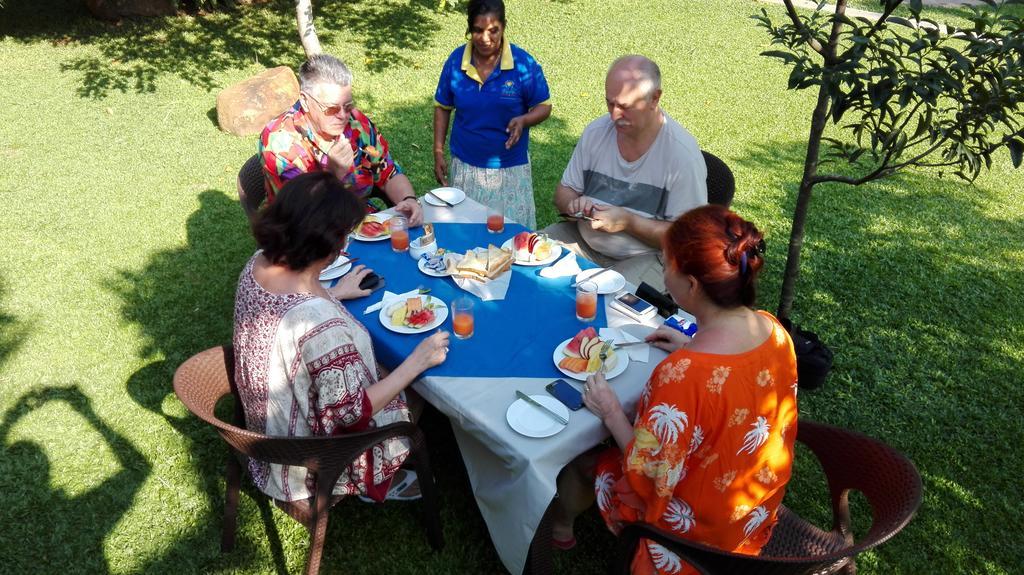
302,365
711,453
290,146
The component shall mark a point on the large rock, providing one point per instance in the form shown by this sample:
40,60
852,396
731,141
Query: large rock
243,109
117,9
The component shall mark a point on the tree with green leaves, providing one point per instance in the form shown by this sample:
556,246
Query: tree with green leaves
900,94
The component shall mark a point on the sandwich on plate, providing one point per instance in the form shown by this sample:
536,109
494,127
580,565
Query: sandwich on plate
482,264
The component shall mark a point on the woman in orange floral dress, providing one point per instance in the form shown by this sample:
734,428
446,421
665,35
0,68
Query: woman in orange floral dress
710,451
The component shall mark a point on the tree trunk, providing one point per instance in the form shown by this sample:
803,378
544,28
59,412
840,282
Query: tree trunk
307,33
803,201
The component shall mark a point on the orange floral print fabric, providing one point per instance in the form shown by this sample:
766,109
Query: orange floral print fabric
711,454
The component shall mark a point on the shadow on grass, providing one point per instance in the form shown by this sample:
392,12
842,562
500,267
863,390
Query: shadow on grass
13,331
56,530
912,282
133,55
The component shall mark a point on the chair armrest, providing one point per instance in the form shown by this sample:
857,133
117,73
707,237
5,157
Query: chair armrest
852,460
695,554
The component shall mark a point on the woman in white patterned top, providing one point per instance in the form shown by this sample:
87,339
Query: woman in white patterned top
304,365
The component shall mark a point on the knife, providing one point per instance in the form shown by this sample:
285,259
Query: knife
542,407
440,199
591,277
629,343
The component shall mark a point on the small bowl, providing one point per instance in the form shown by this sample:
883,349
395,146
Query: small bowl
416,250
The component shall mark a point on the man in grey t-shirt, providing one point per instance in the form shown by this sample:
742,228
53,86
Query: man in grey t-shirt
633,171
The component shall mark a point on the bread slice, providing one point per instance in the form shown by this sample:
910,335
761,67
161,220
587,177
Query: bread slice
472,266
498,261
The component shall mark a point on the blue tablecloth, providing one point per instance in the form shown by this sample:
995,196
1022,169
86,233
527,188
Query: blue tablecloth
513,337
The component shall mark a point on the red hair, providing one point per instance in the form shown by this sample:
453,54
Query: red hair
722,250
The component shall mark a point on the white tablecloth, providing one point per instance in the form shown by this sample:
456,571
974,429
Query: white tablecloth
513,476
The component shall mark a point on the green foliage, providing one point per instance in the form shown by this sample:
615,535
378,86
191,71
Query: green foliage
912,95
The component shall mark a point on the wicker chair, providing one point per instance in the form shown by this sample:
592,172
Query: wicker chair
850,460
207,377
721,184
251,192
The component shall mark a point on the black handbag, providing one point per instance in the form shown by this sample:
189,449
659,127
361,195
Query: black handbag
813,358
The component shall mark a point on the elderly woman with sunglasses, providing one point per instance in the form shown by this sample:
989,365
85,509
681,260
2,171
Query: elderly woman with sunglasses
325,131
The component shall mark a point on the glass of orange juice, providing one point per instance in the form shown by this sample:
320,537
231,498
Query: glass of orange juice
586,301
462,317
496,216
399,234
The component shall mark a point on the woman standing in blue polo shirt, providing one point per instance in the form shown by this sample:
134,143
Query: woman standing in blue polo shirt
497,91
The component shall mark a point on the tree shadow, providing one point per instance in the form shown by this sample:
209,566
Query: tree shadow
912,282
13,331
182,300
58,530
132,56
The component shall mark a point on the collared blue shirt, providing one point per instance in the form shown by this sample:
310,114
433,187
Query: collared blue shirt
484,109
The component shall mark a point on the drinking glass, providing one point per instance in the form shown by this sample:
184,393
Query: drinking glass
462,317
399,234
496,215
586,301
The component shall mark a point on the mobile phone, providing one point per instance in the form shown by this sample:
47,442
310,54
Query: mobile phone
566,393
633,306
372,282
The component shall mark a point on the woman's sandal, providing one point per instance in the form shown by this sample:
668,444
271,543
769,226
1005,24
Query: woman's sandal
397,488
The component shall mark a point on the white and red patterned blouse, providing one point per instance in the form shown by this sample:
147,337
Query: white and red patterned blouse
302,365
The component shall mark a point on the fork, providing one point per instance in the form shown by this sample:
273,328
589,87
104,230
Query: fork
603,355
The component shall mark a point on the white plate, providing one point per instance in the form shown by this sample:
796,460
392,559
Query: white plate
621,363
530,421
380,217
337,268
607,283
422,264
440,314
453,196
556,250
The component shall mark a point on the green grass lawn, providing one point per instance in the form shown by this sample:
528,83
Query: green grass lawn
124,240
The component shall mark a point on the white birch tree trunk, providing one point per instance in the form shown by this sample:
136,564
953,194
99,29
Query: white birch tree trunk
307,33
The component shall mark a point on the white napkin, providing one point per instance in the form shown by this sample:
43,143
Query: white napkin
389,297
566,266
494,289
641,353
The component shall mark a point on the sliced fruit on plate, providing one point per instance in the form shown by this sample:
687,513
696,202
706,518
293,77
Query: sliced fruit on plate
573,348
577,364
531,247
413,313
419,318
583,353
372,227
398,315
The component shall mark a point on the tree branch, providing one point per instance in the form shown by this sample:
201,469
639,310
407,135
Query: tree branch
811,40
875,28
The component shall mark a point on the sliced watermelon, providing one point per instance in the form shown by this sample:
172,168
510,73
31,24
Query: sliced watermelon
372,229
572,349
420,317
